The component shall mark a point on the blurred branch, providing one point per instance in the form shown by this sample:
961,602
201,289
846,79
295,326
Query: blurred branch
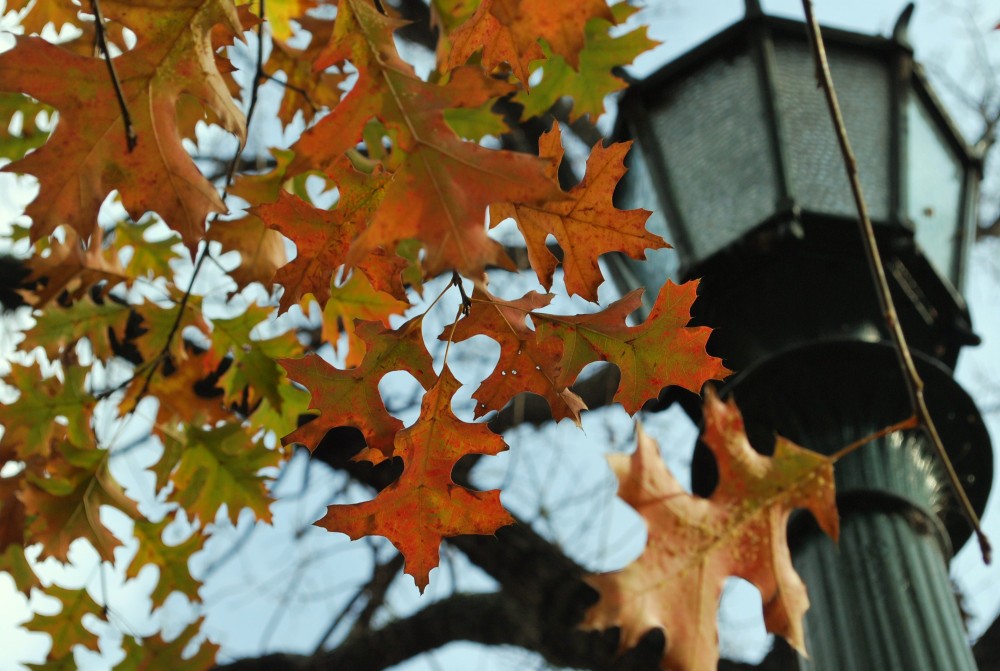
987,648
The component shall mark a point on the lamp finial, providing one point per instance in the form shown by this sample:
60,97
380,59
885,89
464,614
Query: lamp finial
901,31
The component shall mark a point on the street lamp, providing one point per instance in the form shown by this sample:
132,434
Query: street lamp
735,152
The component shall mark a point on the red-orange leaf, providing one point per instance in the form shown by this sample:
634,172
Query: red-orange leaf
87,155
694,543
351,397
507,31
659,352
440,185
585,225
527,364
424,506
322,237
262,250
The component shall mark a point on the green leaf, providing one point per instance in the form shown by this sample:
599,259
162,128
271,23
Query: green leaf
253,359
475,123
14,563
172,560
31,420
154,654
59,328
149,258
66,627
594,81
222,466
30,136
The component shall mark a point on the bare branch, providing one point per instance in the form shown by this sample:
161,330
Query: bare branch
915,386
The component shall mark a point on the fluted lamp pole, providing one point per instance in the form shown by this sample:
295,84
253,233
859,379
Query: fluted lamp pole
735,152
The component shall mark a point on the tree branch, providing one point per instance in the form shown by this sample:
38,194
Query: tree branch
915,385
102,42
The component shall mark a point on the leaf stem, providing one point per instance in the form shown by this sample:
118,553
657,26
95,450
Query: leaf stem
456,280
131,140
914,384
451,335
911,422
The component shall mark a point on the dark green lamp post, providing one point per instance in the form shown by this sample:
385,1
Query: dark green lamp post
736,153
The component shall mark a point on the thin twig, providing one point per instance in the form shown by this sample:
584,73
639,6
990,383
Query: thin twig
230,174
102,41
911,422
915,385
297,89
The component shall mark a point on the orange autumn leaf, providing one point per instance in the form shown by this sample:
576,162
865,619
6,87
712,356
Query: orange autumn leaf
440,185
261,249
425,505
695,543
508,31
323,237
351,397
586,224
87,156
527,363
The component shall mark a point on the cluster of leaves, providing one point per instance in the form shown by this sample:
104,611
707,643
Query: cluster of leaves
415,180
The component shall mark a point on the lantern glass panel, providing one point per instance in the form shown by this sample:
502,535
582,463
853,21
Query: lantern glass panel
933,189
818,181
710,128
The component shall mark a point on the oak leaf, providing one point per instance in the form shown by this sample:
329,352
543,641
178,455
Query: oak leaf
30,421
425,505
508,31
66,627
323,238
87,156
14,563
527,363
351,397
659,352
305,90
58,328
254,368
152,653
221,466
64,503
586,224
694,543
72,268
441,185
261,249
170,559
357,300
594,80
147,258
30,135
12,517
